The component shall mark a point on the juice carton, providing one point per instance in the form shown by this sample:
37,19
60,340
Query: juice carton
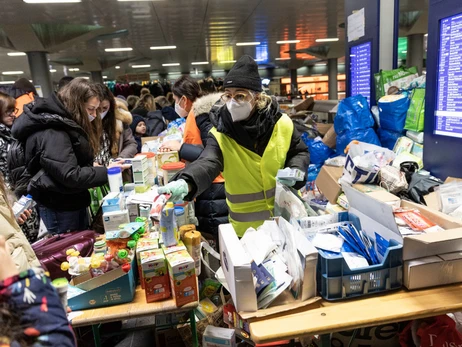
183,278
155,275
144,244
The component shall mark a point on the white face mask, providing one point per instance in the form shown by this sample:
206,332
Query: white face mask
239,111
180,110
103,114
91,118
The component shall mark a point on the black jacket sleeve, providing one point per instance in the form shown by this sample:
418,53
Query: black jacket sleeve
204,124
60,162
190,152
298,157
201,173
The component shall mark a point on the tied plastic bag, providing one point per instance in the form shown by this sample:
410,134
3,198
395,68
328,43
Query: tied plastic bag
353,114
388,138
319,152
364,161
393,179
393,110
416,112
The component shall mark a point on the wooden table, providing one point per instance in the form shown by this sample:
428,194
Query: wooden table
138,308
359,313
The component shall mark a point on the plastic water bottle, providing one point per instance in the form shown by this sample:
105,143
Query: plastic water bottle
114,175
168,226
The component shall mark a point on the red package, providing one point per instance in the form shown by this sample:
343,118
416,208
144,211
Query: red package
415,220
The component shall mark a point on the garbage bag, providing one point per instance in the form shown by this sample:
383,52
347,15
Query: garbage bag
319,152
353,114
362,135
393,111
388,138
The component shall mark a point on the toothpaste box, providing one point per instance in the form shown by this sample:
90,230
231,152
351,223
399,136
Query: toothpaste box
155,275
144,244
183,278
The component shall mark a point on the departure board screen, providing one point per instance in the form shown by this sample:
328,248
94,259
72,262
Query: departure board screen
360,70
448,113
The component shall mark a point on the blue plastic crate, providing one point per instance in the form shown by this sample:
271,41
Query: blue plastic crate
336,281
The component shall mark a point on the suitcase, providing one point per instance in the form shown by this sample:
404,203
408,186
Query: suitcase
51,252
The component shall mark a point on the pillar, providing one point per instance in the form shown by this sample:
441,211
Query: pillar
97,77
332,70
388,34
293,82
38,64
415,51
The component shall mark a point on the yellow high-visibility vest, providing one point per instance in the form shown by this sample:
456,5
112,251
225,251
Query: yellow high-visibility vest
250,179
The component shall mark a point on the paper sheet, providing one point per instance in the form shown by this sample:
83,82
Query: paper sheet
144,198
356,25
258,245
72,315
328,242
355,260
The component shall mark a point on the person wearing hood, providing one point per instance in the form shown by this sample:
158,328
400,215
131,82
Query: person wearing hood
249,142
117,140
60,135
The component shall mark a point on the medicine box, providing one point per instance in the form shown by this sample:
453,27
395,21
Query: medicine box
183,278
112,220
155,275
142,177
112,202
139,163
167,157
133,211
217,337
144,244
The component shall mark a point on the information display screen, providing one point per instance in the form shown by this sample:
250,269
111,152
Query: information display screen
360,70
448,113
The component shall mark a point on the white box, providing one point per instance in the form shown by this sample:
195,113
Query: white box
139,163
217,337
112,220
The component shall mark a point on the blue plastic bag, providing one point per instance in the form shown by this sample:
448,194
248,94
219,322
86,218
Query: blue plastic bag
388,138
393,112
362,135
353,114
319,152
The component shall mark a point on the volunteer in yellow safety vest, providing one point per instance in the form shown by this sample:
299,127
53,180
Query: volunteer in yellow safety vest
250,141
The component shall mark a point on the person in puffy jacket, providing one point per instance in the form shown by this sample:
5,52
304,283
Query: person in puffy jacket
249,142
154,119
61,135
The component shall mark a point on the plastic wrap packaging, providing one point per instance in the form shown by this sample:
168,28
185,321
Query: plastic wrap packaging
416,136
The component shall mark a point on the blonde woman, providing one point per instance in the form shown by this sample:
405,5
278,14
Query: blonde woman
249,142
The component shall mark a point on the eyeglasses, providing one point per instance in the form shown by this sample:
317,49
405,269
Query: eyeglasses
12,112
239,97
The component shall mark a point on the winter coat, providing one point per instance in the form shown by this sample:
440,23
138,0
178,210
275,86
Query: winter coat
253,134
140,111
42,320
59,146
21,251
5,142
155,123
126,144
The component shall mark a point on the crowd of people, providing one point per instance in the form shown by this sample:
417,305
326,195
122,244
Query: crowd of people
57,148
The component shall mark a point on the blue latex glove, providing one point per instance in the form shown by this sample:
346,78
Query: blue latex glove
287,183
178,189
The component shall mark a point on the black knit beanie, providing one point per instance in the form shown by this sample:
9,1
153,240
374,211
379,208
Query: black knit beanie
244,74
136,119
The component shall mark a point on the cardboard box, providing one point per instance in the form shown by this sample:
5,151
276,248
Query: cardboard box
150,138
139,163
218,337
113,288
183,277
133,211
112,202
327,182
167,157
323,128
112,220
155,275
432,199
330,139
144,244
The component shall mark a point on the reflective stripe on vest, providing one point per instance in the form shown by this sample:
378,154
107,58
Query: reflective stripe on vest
250,179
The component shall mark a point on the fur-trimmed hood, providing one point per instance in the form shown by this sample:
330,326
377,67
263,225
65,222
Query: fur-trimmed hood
205,103
122,114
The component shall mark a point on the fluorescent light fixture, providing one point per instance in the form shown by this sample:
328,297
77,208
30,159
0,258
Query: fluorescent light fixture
52,70
320,64
84,77
123,49
140,66
7,82
200,63
218,70
162,47
287,41
426,34
16,54
332,39
247,43
404,52
74,69
282,59
105,77
50,1
117,67
138,0
227,62
171,64
12,72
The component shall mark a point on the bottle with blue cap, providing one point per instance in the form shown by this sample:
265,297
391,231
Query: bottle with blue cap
116,184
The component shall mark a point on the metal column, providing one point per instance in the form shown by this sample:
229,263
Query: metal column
332,70
293,82
97,77
38,64
415,51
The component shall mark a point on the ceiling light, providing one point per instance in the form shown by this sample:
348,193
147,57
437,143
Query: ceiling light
74,69
140,66
50,1
105,77
84,77
218,70
333,39
123,49
282,58
247,43
426,34
227,62
52,70
200,63
12,72
162,47
7,82
287,41
16,54
171,64
117,67
320,64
